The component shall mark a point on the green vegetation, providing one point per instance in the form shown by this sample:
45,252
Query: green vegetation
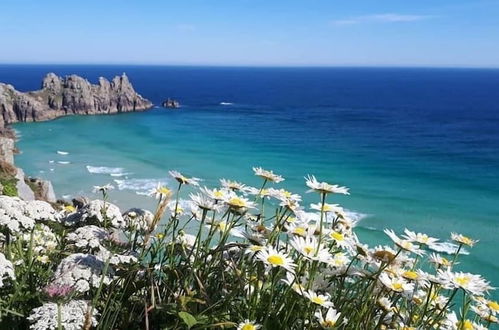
7,179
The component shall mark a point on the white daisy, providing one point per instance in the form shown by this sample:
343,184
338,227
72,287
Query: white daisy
272,258
324,187
267,175
183,179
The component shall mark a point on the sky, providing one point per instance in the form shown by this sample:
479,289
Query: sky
440,33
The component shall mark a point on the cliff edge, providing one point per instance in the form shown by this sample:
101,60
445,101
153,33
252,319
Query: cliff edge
69,96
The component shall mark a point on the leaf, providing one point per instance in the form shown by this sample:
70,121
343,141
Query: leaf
188,319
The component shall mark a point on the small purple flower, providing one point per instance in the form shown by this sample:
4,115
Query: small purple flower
58,291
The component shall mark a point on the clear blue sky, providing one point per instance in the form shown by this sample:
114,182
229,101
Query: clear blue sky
252,32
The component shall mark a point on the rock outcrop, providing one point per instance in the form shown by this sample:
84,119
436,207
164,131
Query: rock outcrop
68,96
170,103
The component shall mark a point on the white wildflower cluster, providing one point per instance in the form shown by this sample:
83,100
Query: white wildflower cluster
87,237
42,239
98,211
6,269
82,271
72,316
41,211
13,215
114,258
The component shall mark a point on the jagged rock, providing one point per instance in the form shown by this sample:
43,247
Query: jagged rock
69,95
170,103
7,150
43,190
23,190
79,202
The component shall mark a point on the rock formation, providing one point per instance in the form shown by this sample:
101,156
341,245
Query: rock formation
170,103
67,96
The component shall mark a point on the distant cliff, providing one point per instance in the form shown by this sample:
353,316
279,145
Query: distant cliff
68,96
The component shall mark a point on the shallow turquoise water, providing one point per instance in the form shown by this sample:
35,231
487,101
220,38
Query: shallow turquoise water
417,148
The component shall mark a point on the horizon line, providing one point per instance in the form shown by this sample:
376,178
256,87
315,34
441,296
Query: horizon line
304,66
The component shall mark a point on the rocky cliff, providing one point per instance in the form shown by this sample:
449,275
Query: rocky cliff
67,96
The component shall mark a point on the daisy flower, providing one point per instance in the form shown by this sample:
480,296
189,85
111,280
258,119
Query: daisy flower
395,283
272,258
267,175
471,283
232,185
324,187
461,239
319,299
329,320
340,239
403,244
160,192
310,248
248,325
420,238
202,202
439,261
183,179
237,202
215,194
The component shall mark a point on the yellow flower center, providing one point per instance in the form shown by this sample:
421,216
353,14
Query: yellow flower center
467,325
410,275
337,236
465,240
248,326
264,192
222,226
299,231
218,194
160,235
326,208
256,248
276,260
308,249
291,219
462,280
164,191
328,323
286,194
397,286
318,300
237,202
493,305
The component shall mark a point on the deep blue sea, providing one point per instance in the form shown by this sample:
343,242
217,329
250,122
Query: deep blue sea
419,148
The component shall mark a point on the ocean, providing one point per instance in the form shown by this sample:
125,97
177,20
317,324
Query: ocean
418,148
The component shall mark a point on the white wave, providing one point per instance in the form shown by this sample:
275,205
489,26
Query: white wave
66,196
447,247
51,162
104,170
51,170
64,153
140,186
120,174
63,162
226,103
42,171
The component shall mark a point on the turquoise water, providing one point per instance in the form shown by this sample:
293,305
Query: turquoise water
418,148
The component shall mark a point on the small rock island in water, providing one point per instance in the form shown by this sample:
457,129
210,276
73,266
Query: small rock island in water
170,103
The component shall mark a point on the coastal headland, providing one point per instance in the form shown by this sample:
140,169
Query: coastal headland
57,97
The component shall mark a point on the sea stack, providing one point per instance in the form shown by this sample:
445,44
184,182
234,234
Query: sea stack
68,96
170,103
